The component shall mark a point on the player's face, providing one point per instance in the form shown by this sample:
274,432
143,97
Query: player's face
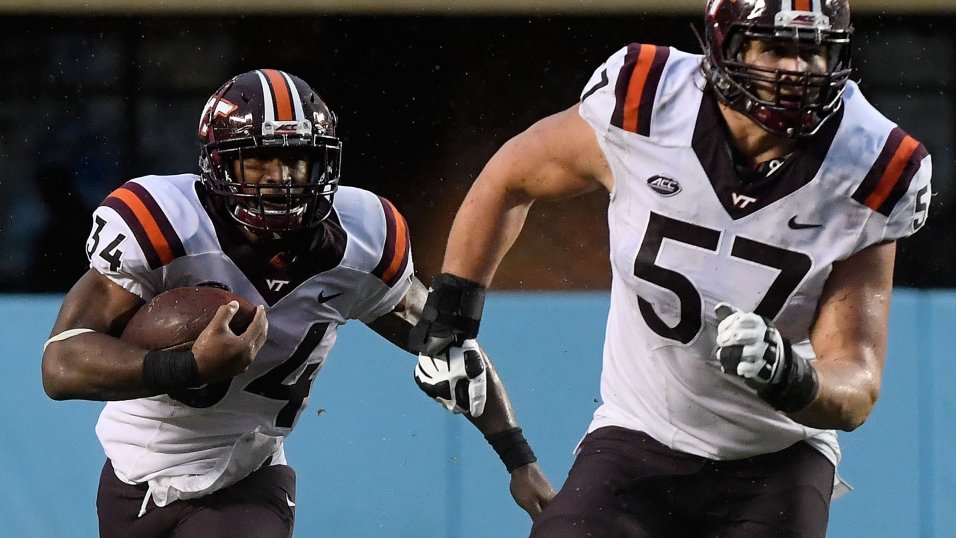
785,56
272,167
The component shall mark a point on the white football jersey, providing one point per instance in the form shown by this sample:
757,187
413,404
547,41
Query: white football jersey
153,234
686,234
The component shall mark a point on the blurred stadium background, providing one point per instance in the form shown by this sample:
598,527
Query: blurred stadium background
99,91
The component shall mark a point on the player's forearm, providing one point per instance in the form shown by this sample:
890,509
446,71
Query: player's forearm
93,366
846,396
500,428
486,226
849,339
556,158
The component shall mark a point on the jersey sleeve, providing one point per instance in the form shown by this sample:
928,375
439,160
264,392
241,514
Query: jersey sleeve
132,240
622,91
394,269
897,186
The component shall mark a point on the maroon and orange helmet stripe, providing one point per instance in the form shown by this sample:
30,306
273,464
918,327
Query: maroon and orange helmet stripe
281,94
152,230
802,5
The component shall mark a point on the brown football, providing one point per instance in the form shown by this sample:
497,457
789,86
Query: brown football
173,319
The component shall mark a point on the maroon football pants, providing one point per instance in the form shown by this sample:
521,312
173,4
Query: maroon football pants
625,484
260,505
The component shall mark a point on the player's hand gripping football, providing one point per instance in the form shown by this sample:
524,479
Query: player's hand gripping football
455,378
750,346
220,353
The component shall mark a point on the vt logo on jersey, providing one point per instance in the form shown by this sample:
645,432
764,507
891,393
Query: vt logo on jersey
664,186
275,284
741,201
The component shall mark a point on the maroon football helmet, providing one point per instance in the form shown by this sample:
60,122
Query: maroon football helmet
274,113
729,25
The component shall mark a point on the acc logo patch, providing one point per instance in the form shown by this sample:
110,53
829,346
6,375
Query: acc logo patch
664,186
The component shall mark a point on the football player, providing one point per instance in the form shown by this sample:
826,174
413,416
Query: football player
755,201
194,439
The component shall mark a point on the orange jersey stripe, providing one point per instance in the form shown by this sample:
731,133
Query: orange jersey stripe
149,224
635,87
892,174
281,90
401,246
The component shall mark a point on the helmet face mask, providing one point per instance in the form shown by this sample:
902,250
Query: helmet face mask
792,103
268,116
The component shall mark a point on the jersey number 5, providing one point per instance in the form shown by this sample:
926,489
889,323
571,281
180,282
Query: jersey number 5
793,267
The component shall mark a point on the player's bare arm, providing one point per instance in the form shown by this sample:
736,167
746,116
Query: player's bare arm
97,365
557,157
529,486
849,339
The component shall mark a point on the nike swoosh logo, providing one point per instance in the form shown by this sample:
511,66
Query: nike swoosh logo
794,225
289,501
326,298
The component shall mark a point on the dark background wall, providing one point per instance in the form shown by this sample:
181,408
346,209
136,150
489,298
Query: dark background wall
91,101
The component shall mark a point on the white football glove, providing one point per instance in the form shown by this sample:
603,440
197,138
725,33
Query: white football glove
456,379
749,346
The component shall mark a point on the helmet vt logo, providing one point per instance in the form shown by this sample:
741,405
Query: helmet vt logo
216,107
664,186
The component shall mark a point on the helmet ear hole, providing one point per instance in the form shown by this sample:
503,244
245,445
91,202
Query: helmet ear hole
735,47
244,115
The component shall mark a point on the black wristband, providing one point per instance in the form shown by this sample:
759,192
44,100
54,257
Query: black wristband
512,448
452,314
798,386
164,371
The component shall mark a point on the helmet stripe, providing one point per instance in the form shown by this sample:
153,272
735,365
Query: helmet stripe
802,5
282,94
268,100
296,98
